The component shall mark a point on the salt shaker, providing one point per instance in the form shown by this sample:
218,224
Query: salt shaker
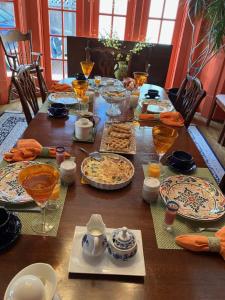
60,154
68,171
150,190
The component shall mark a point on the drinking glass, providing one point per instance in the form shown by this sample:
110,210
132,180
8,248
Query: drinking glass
140,78
80,87
170,215
163,138
87,67
97,80
39,182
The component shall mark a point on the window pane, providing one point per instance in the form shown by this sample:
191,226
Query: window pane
57,69
166,34
153,31
106,6
69,23
170,11
65,48
65,69
56,47
69,4
55,20
104,25
54,3
119,27
7,18
120,7
156,8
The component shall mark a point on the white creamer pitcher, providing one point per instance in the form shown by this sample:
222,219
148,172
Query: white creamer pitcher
94,242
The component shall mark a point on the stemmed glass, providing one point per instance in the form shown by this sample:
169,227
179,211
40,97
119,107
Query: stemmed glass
87,67
80,87
140,78
163,138
39,182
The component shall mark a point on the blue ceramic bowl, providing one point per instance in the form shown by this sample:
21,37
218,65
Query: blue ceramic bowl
57,109
181,160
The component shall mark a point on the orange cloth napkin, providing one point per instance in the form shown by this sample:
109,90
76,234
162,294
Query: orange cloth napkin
172,118
200,243
29,149
61,87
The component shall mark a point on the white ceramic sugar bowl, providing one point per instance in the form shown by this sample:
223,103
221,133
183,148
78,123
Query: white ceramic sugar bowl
83,128
122,244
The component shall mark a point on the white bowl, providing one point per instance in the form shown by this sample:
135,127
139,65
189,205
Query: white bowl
44,272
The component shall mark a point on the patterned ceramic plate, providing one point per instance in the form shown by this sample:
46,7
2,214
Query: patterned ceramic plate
156,106
198,199
67,98
10,189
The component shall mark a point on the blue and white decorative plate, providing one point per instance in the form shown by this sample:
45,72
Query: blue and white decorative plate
67,98
198,199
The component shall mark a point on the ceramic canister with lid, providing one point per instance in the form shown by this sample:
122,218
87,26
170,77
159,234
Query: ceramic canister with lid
150,190
83,128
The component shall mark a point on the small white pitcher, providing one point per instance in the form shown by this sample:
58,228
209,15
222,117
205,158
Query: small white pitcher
94,242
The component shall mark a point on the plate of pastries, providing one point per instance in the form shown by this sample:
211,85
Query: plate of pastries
118,138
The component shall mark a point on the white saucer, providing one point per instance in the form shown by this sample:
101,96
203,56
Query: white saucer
105,264
46,274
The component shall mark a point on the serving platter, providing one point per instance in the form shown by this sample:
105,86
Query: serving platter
67,98
104,147
198,199
105,264
107,168
157,106
10,189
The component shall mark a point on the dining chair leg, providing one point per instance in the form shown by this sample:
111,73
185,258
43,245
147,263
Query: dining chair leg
222,133
211,113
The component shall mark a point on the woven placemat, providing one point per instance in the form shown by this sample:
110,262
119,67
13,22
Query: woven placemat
165,239
73,109
26,218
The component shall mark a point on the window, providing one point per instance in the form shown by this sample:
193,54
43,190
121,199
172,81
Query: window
62,22
7,21
161,21
112,18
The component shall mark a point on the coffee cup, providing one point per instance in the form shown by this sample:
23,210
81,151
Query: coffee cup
57,109
4,219
182,159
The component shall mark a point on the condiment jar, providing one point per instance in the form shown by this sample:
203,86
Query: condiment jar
83,128
150,190
68,171
122,244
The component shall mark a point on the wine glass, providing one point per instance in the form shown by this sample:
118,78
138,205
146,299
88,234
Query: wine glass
140,78
80,87
39,182
87,67
163,138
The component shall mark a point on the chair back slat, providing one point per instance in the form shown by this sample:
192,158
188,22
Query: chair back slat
189,98
27,93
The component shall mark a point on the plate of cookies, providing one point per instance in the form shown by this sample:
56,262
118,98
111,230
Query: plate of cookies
118,138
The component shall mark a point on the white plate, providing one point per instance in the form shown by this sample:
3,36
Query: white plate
43,271
67,98
105,264
158,106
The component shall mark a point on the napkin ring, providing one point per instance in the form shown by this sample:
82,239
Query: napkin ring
214,244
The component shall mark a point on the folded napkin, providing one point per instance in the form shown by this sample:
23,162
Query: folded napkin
29,149
61,87
200,243
172,118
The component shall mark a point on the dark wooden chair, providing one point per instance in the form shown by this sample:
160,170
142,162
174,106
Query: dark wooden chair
189,97
27,93
19,53
222,184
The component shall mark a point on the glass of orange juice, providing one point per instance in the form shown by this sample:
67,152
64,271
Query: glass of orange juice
39,182
154,166
97,80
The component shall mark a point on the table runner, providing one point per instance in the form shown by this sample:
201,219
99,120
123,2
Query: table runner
166,240
27,217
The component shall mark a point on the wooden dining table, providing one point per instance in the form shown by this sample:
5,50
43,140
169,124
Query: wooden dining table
170,274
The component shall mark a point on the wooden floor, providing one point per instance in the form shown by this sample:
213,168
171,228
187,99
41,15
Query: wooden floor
211,133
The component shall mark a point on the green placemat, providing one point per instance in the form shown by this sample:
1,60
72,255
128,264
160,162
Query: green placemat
26,218
73,109
166,240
